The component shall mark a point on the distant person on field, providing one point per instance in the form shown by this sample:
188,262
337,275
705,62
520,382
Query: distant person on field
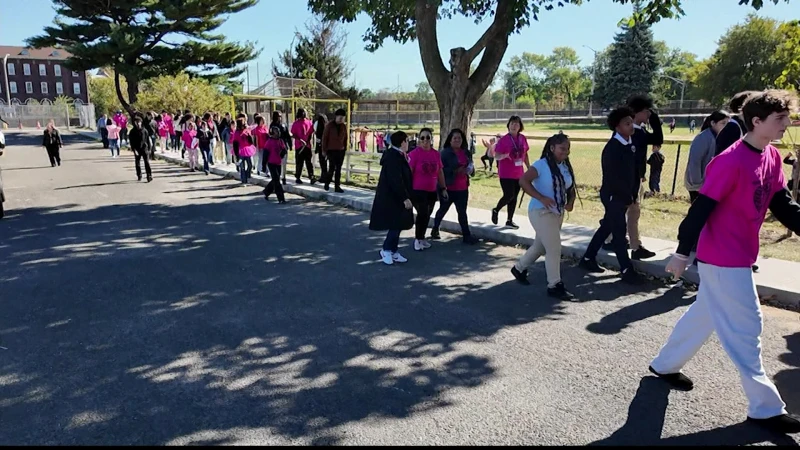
672,125
656,163
692,126
488,156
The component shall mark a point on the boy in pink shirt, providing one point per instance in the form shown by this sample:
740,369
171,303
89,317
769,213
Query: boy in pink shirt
303,132
741,184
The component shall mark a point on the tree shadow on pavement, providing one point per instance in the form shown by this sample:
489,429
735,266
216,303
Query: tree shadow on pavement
788,380
645,424
156,324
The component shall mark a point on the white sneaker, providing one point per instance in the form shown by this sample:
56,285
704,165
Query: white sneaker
418,245
397,257
386,257
425,244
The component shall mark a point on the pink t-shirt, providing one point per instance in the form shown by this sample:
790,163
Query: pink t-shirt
513,167
167,119
742,181
247,151
188,138
303,129
261,134
425,167
163,129
460,181
113,131
274,147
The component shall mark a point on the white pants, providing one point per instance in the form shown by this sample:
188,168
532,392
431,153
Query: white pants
727,303
547,242
163,144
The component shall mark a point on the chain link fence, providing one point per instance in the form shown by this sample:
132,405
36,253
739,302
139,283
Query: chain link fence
32,114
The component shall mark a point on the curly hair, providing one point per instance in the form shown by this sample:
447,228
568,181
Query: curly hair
559,185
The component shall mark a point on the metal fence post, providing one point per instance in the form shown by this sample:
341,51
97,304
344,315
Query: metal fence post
347,168
66,113
675,175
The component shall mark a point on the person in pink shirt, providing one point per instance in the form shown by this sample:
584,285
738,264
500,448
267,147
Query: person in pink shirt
276,151
427,179
163,134
303,133
362,139
122,122
238,138
113,137
511,153
741,184
166,119
244,149
191,143
457,167
260,133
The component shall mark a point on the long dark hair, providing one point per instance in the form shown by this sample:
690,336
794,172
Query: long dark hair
715,116
559,185
321,122
450,137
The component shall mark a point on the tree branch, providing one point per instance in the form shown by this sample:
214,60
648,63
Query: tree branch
500,24
495,48
426,13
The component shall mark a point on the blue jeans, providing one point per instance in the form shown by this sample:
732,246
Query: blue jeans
206,157
246,168
392,241
113,144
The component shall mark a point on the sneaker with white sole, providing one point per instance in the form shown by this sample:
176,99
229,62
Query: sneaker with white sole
398,258
426,244
418,245
386,257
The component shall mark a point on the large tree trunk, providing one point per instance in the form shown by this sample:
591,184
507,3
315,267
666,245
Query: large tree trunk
456,90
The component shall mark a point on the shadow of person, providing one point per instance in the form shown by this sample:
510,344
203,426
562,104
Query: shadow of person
645,424
624,317
787,380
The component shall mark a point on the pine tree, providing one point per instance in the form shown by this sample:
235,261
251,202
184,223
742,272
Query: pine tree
632,65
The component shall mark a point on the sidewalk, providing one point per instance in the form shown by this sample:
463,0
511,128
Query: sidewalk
777,280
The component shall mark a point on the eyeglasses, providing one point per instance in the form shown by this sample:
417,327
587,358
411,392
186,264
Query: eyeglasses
425,138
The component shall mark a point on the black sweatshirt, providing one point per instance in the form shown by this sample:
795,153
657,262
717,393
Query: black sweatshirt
619,171
732,132
782,206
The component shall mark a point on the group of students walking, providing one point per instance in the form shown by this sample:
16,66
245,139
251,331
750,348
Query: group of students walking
731,195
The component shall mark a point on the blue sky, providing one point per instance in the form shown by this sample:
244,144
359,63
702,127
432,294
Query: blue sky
592,24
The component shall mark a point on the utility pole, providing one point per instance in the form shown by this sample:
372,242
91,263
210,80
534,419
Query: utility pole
594,73
683,88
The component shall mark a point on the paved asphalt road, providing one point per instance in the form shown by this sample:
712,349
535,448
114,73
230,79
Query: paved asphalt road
189,311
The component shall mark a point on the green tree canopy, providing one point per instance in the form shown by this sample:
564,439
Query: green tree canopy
181,92
103,94
143,39
789,55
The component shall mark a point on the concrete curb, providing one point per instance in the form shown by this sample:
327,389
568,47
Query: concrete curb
775,282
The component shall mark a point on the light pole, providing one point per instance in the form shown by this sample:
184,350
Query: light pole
5,72
291,59
594,69
683,88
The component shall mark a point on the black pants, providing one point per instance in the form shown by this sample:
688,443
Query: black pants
275,182
460,198
153,147
335,162
693,195
142,155
424,202
54,153
104,137
655,180
485,159
123,136
303,156
510,196
392,241
613,223
323,166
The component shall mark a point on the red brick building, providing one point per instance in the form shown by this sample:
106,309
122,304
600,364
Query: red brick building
39,74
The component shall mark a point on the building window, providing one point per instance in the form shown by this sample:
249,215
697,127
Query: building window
44,87
26,69
12,69
76,88
57,69
42,70
12,87
75,74
59,88
28,87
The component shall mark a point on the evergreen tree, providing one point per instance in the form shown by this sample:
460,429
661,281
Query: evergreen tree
136,38
631,67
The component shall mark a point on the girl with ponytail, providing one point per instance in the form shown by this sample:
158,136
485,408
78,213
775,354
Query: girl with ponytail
550,182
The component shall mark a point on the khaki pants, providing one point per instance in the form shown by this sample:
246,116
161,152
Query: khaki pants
632,217
547,243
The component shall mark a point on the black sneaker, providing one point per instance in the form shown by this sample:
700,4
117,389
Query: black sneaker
560,292
298,181
630,276
471,240
784,423
590,265
338,190
512,225
435,234
676,380
139,178
149,179
495,213
522,276
755,268
313,181
642,253
327,187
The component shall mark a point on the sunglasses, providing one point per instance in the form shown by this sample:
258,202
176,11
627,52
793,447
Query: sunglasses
425,138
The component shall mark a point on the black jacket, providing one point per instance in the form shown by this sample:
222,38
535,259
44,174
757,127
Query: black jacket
394,187
450,164
619,172
641,140
732,132
52,139
139,139
285,136
204,138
